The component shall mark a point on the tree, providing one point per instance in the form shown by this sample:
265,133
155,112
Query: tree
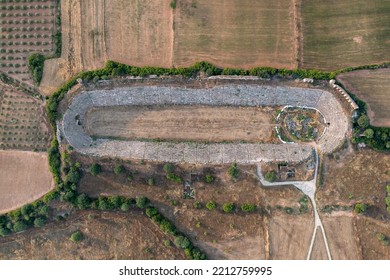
211,205
151,211
248,207
228,207
77,236
360,208
270,176
363,121
118,169
95,169
83,201
4,232
141,202
20,226
369,133
182,242
125,206
35,64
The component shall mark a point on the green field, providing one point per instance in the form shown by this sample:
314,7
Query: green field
339,34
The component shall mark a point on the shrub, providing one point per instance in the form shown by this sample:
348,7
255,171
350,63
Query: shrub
208,178
388,189
77,236
39,222
369,133
182,242
197,205
211,205
141,202
167,242
119,169
173,4
168,168
4,232
20,226
151,211
233,171
167,226
125,206
248,207
228,207
83,201
174,178
270,176
35,64
363,121
151,182
360,208
95,169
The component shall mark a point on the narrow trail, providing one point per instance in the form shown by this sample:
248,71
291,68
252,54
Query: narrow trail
309,189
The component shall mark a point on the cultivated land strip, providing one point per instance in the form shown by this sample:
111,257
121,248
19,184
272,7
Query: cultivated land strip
73,130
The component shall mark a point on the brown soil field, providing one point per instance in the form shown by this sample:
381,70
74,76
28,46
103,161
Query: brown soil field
319,249
236,235
133,32
235,33
290,236
340,229
177,123
367,230
371,86
23,121
26,28
107,235
24,178
338,34
355,176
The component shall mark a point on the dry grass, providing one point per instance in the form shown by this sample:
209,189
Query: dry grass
178,123
372,86
234,33
337,34
106,236
24,177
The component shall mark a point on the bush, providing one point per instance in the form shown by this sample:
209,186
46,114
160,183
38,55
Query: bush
151,182
182,242
141,202
270,176
211,205
197,205
228,207
35,64
363,121
388,189
233,171
151,211
95,169
248,207
39,222
125,206
174,178
4,232
208,178
83,201
360,208
119,169
167,242
20,226
77,236
168,168
173,4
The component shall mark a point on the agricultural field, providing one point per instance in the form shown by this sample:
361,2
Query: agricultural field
235,33
182,123
24,177
26,27
338,34
23,123
106,236
371,86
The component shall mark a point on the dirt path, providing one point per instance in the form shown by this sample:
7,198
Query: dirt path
308,188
